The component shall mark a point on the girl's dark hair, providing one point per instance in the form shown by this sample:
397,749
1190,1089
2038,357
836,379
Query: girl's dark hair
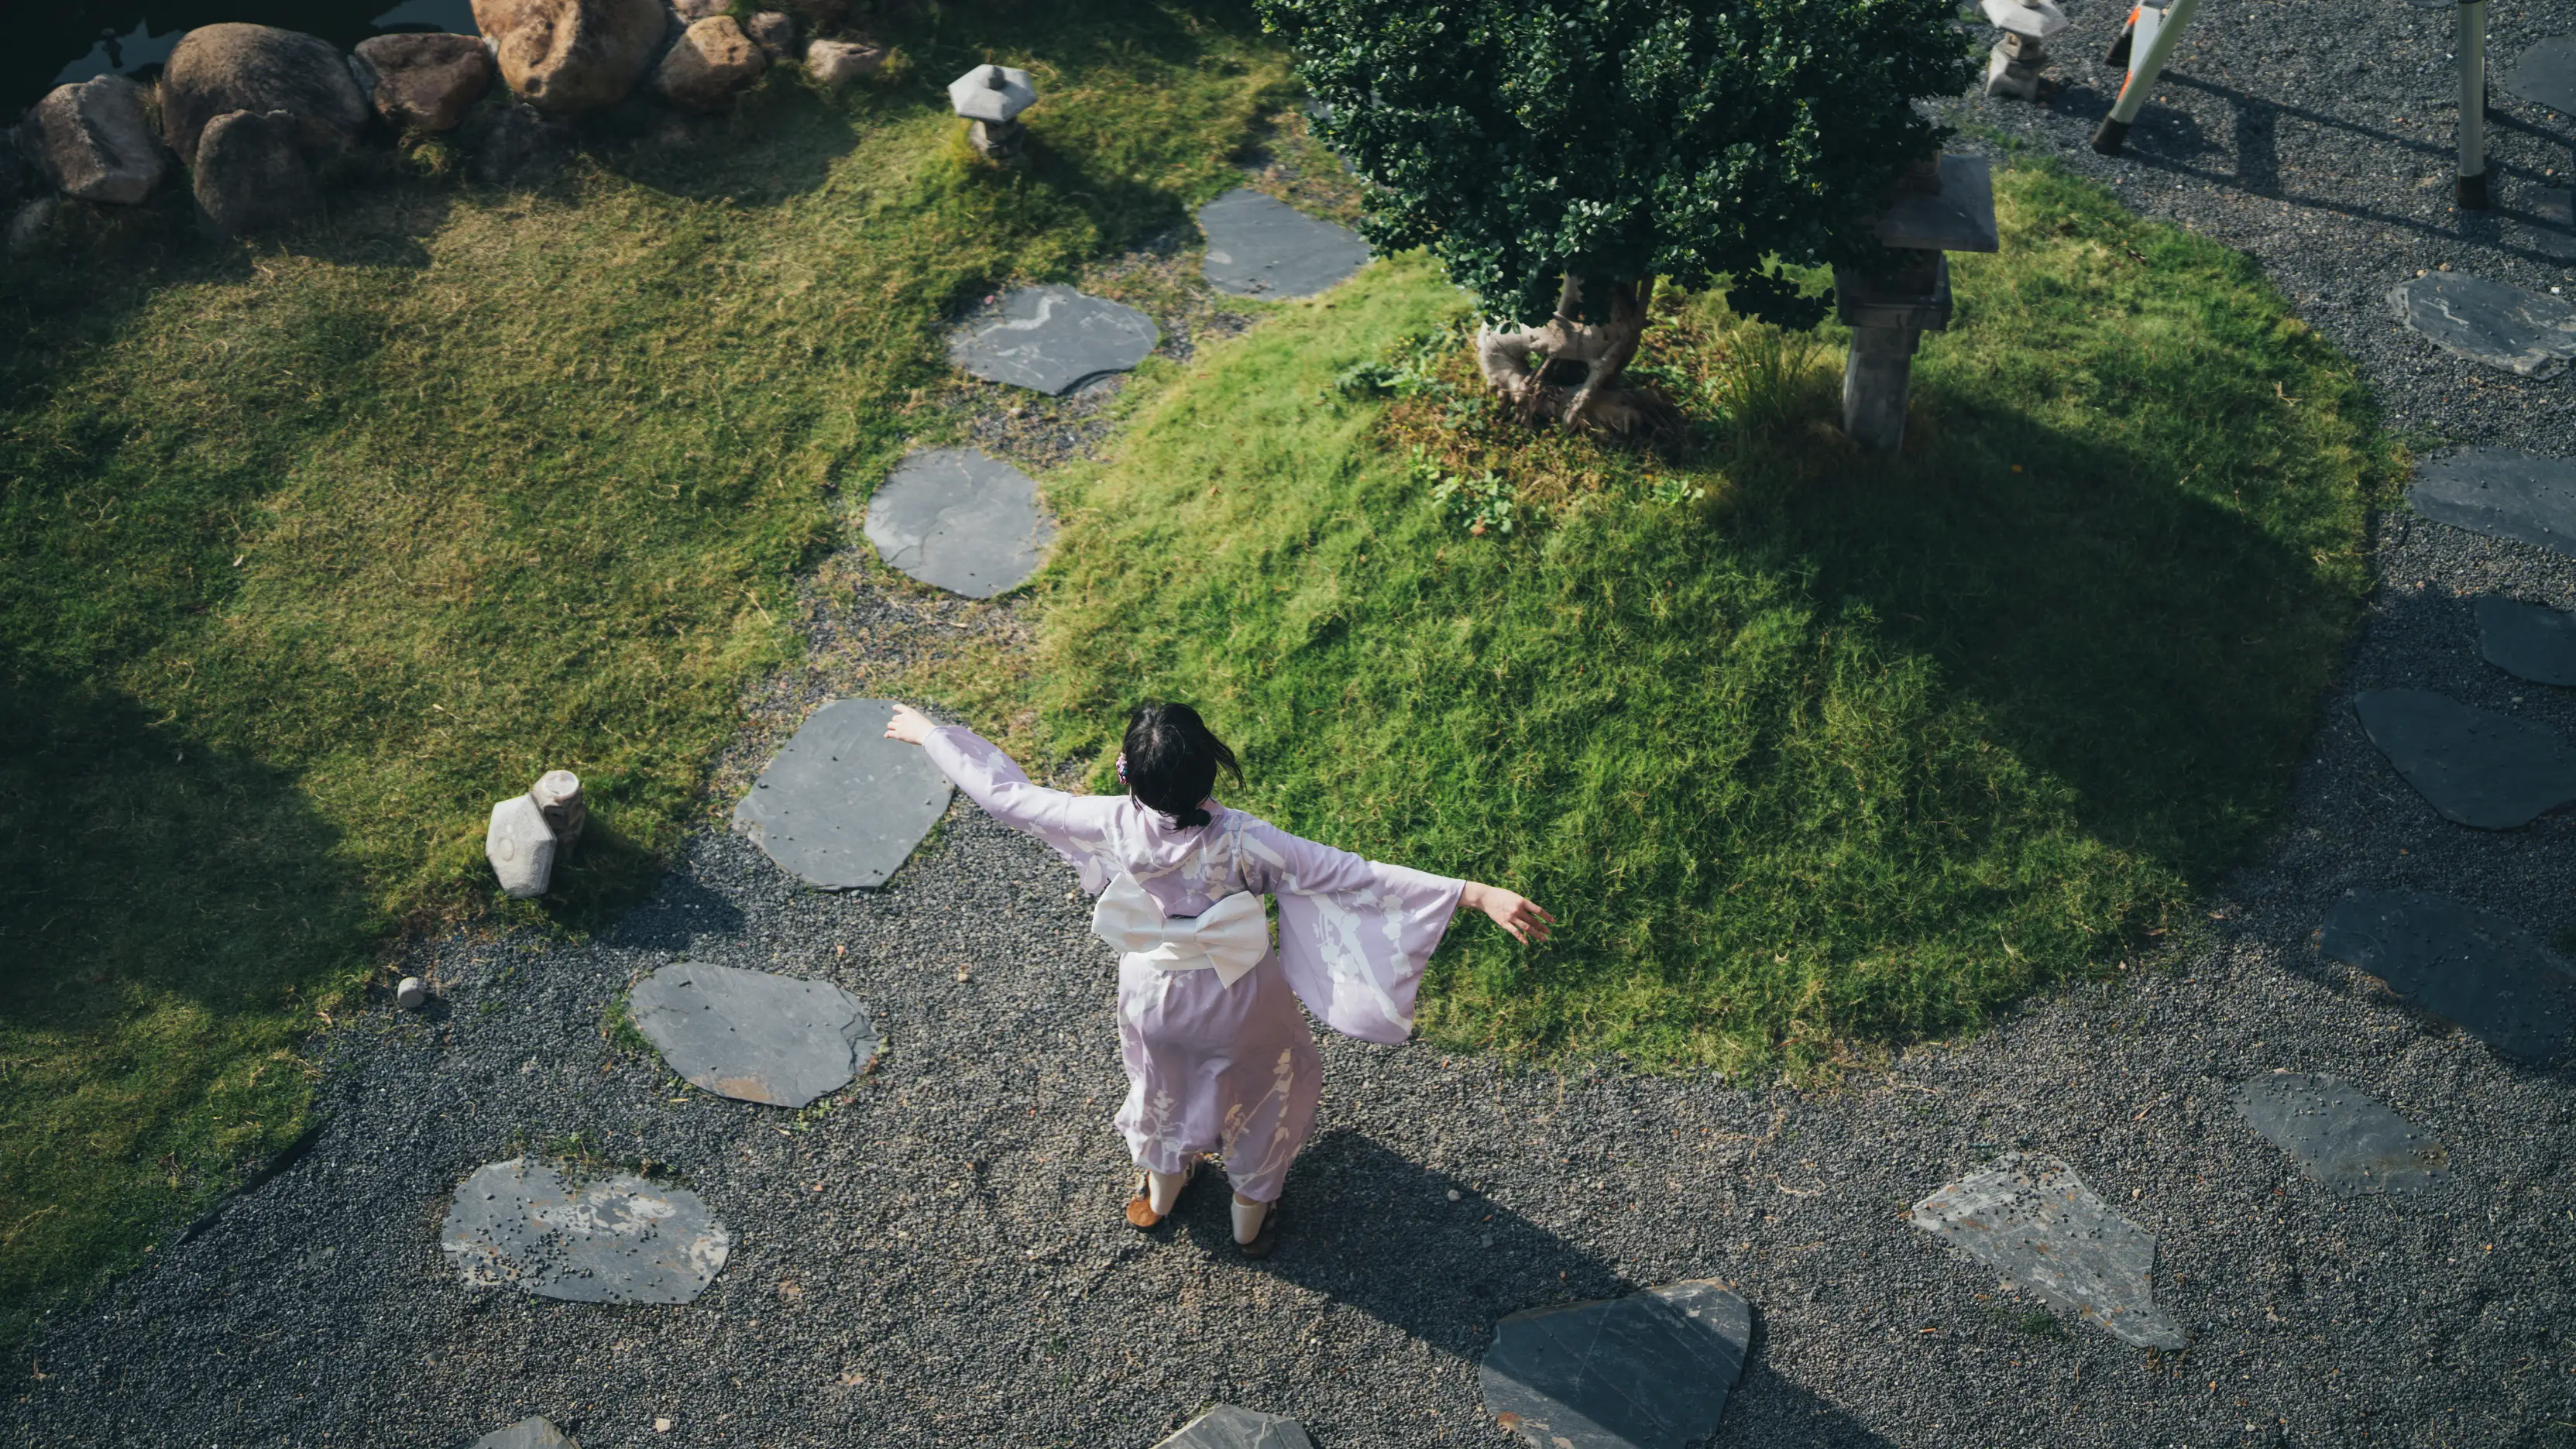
1172,760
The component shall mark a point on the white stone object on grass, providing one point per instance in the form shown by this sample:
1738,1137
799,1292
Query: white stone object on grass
521,848
558,797
2033,1218
93,143
410,993
995,93
839,62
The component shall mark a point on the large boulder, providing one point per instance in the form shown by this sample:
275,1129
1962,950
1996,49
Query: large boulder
251,175
573,55
426,82
774,32
710,65
92,141
218,69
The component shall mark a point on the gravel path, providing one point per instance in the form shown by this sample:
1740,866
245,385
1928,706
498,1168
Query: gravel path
939,1259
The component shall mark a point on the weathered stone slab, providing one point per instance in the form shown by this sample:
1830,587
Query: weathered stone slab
2476,767
2502,494
842,806
1960,217
2341,1137
546,1229
2545,75
753,1036
2464,965
1228,1427
1052,339
2529,641
2528,333
2033,1219
534,1432
1260,246
955,518
1648,1371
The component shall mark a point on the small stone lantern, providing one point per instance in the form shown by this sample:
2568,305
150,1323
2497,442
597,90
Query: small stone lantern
2013,66
991,98
1946,204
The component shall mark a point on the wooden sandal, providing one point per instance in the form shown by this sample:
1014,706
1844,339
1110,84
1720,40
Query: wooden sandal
1140,1207
1267,1238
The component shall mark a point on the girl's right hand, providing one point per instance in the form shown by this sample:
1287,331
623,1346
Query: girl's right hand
1516,913
909,725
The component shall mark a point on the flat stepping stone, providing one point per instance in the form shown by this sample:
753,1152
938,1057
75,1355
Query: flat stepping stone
1228,1427
2545,75
1260,246
752,1036
1648,1371
842,806
955,518
2502,494
2034,1220
2466,966
534,1432
1053,339
2528,641
2474,766
548,1229
2528,333
2339,1136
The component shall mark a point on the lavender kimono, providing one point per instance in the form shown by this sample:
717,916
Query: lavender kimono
1217,1057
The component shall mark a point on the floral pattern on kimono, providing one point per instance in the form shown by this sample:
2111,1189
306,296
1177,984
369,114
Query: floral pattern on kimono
1213,1068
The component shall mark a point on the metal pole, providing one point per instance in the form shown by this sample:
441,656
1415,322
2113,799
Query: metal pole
2472,191
2143,71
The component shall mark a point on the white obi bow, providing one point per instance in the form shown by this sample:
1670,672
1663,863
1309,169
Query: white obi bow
1229,937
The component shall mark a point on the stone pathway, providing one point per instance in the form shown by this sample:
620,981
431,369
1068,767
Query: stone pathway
1228,1427
842,806
2527,641
2341,1137
959,520
1647,1371
1259,246
2035,1219
753,1036
558,1230
2477,767
1052,339
2458,963
2520,331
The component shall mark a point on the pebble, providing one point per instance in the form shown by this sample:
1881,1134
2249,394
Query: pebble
411,993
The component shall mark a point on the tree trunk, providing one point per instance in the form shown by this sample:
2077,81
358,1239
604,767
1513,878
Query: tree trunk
1587,359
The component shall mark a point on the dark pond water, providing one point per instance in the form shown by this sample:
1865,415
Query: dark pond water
51,44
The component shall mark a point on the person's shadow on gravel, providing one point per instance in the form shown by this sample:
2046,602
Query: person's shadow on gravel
680,913
1365,1226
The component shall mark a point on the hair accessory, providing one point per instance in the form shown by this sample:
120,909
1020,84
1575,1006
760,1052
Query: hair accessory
1122,769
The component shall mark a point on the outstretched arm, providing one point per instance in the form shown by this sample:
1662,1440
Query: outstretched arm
1518,914
1078,826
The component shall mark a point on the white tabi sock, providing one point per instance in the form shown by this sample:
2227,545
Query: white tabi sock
1247,1219
1163,1191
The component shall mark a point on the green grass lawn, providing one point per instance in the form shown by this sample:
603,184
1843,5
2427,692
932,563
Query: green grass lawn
1814,753
315,548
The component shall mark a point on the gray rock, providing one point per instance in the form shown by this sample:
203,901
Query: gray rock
410,992
842,806
753,1036
2466,966
520,847
547,1229
2530,641
1648,1371
535,1432
1259,246
1960,217
424,82
1228,1427
250,175
2501,493
2474,767
2528,333
839,62
219,69
1052,339
2341,1137
773,32
992,93
93,142
2035,1220
955,518
2545,75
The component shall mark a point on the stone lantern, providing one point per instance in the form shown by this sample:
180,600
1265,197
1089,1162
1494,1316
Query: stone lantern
2013,67
1945,204
991,98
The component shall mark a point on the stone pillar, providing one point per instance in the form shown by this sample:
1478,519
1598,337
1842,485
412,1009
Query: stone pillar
558,797
990,99
1888,316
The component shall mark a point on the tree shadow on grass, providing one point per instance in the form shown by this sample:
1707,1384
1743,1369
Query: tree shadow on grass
173,920
2124,620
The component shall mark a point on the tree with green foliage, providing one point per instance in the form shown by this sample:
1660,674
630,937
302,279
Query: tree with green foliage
1559,156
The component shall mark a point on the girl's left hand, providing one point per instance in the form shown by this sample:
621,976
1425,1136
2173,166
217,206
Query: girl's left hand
1516,913
909,725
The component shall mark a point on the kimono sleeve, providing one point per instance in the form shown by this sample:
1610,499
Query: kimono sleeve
1077,827
1354,935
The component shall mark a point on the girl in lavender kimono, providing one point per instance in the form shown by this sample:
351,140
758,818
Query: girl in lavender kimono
1218,1059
